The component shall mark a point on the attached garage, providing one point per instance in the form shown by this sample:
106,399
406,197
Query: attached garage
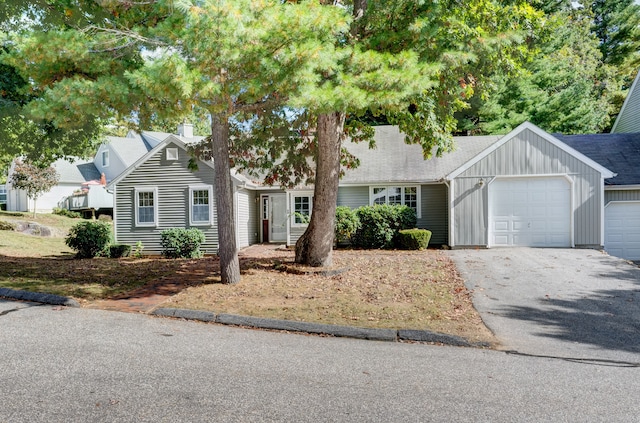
528,189
622,229
530,212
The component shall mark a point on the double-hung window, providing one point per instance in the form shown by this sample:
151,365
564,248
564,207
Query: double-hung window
302,204
3,194
396,195
201,198
146,200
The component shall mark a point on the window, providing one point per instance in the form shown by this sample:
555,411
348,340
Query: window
201,199
146,206
302,206
105,158
172,154
3,194
397,195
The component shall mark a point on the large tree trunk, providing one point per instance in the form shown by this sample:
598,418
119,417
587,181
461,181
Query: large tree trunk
315,246
227,249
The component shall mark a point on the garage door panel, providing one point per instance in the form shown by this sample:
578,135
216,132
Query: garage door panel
622,229
530,212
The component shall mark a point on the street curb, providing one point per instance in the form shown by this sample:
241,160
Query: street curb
389,335
38,297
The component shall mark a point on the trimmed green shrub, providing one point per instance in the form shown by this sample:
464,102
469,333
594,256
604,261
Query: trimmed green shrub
119,250
65,212
347,223
181,242
7,226
413,239
381,223
90,239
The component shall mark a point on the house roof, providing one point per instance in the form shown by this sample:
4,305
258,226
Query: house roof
169,139
618,152
392,160
129,149
528,126
77,171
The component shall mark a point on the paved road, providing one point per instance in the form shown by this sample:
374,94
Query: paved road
567,302
80,365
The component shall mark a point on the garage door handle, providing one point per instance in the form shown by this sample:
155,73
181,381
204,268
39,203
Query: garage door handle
529,225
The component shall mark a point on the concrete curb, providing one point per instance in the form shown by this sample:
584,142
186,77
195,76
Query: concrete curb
38,297
389,335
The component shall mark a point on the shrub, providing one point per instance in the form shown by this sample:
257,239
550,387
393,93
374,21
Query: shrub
181,243
137,251
347,223
413,239
7,226
381,223
65,212
90,239
119,250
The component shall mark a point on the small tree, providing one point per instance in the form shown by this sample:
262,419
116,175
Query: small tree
33,179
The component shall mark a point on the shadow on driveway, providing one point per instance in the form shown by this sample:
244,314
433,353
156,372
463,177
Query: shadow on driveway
542,300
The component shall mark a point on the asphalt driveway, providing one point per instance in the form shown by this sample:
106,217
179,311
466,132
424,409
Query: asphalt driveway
574,303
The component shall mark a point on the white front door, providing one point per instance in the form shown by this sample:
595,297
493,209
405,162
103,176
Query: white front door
622,229
530,212
278,218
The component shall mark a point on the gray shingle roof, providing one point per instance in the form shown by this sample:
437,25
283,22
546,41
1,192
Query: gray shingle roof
129,149
618,152
78,171
395,161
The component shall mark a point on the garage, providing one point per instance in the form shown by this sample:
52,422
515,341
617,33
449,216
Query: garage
530,212
622,229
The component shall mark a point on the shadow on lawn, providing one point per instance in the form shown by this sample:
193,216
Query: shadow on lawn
607,318
103,278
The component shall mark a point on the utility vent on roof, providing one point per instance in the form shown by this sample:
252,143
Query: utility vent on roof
172,154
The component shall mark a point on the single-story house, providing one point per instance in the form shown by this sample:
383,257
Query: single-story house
526,188
73,173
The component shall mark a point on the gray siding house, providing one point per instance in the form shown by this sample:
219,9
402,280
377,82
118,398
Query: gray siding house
527,188
628,119
160,192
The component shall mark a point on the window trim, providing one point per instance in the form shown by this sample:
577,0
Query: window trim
402,194
105,158
4,193
192,189
138,191
172,154
307,194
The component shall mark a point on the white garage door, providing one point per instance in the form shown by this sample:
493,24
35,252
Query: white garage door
622,229
530,212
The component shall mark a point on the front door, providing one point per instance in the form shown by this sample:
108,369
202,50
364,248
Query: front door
274,217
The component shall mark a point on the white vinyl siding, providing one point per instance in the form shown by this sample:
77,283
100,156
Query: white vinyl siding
397,195
200,205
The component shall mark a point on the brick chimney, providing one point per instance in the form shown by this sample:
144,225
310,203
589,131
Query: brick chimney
185,130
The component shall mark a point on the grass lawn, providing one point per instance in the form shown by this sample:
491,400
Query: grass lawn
381,289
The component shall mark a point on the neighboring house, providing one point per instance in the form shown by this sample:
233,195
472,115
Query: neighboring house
620,153
72,175
80,188
628,120
3,197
